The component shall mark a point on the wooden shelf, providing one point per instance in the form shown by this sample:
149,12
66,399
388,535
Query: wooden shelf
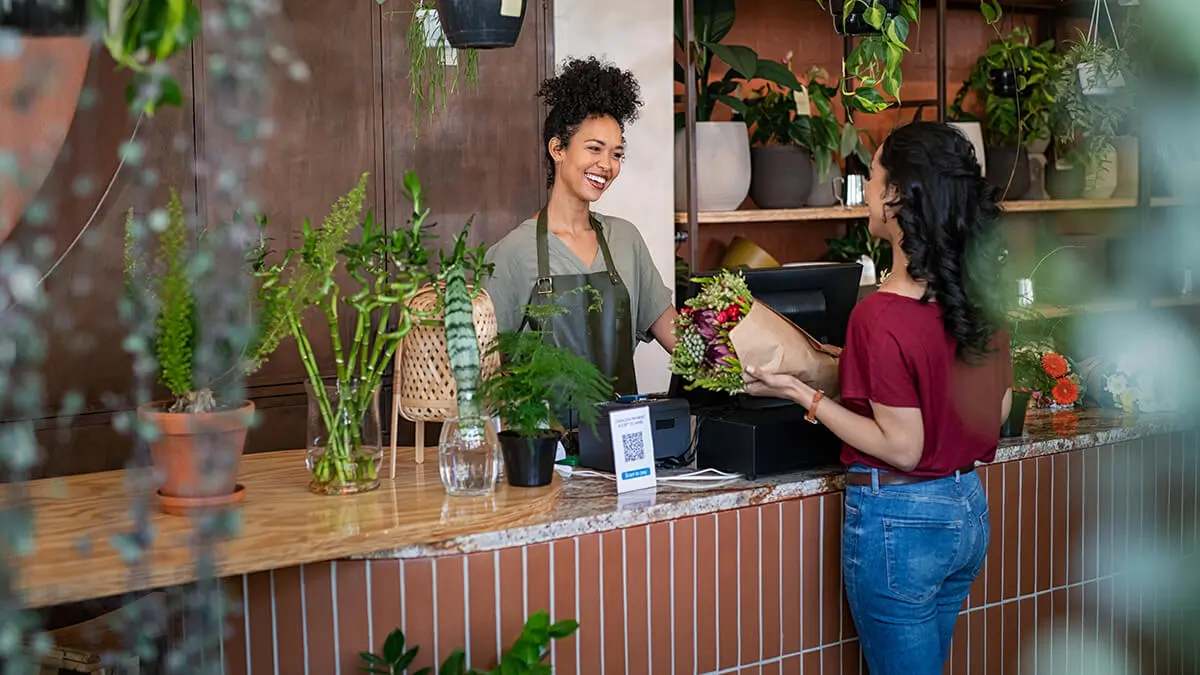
856,212
1115,305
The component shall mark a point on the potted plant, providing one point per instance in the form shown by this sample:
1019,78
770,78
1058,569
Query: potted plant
199,438
1085,126
435,66
536,381
1010,81
875,255
384,270
467,457
788,140
722,148
482,24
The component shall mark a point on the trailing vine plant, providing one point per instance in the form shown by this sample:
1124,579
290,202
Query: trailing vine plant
430,79
873,67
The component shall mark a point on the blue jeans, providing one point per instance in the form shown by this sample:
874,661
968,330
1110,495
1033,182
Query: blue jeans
909,556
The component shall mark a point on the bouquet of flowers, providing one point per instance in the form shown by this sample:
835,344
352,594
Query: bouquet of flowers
724,329
1136,385
1047,376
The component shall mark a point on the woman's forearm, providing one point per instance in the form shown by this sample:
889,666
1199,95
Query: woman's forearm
895,444
663,329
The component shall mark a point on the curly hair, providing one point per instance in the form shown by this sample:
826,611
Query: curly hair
947,215
586,88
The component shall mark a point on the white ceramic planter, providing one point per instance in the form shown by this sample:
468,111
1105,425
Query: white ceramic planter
722,166
974,133
1094,81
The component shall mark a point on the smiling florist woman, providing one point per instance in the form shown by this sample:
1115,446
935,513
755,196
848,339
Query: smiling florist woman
595,266
925,383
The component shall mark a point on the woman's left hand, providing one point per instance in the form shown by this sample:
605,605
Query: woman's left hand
775,385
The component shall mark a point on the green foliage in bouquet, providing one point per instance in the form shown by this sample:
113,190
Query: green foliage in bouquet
525,657
536,378
704,354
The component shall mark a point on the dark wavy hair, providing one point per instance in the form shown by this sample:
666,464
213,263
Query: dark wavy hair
586,88
947,215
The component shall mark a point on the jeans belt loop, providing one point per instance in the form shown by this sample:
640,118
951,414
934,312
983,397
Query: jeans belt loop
875,481
957,476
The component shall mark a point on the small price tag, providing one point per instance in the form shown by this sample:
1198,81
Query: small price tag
511,7
633,448
803,106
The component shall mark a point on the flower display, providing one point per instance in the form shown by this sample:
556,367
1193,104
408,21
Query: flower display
1048,376
1143,381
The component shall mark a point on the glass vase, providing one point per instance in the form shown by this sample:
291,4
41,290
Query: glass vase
344,438
468,457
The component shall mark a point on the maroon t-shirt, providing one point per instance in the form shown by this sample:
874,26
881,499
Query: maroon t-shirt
898,354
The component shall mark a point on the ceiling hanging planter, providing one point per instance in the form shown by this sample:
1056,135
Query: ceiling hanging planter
481,24
855,23
42,18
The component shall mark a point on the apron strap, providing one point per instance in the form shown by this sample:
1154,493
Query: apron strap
608,262
544,285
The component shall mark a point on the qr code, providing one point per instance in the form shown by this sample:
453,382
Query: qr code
635,447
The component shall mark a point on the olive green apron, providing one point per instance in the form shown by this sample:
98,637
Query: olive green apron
598,323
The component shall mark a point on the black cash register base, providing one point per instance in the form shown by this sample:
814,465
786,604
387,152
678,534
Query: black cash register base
758,437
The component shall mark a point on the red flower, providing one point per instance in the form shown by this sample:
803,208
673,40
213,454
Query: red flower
1065,392
686,311
1054,365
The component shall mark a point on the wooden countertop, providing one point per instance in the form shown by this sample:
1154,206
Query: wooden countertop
281,524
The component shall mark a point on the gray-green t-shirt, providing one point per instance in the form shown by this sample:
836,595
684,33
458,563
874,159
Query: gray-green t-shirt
515,257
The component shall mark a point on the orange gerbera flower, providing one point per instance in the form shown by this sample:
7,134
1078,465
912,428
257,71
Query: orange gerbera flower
1054,365
1065,392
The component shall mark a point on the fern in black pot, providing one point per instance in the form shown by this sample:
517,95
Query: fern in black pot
536,384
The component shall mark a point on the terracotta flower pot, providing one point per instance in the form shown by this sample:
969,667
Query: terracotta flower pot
197,455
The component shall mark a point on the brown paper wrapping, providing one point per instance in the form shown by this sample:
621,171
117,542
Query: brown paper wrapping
766,340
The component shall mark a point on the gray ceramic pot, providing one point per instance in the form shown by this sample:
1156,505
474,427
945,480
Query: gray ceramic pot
1008,170
781,176
825,192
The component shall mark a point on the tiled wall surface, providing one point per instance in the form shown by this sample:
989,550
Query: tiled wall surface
756,590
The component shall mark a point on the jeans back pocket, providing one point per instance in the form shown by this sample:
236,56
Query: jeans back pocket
920,555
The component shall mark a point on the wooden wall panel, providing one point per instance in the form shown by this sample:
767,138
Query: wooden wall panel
353,114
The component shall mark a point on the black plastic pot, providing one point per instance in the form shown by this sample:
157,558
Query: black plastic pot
38,18
854,23
528,462
1004,82
781,176
1015,424
1013,183
480,24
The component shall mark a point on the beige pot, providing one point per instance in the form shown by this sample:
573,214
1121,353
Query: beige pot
1127,167
1104,184
722,166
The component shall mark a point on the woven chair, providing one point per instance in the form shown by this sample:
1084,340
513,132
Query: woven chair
424,388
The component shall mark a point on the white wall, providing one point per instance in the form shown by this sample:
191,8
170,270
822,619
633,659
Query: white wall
636,35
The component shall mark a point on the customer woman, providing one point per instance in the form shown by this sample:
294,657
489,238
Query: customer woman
595,267
925,384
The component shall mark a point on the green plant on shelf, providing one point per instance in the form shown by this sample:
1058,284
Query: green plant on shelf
713,19
857,243
526,656
780,116
1012,120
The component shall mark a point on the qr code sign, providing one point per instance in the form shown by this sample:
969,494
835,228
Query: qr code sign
635,447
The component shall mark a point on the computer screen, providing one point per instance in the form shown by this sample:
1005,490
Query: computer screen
817,297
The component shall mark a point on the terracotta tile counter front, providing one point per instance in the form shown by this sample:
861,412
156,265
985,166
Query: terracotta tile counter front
744,578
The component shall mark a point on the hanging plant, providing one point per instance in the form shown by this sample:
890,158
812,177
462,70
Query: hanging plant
142,35
434,67
872,68
1018,103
